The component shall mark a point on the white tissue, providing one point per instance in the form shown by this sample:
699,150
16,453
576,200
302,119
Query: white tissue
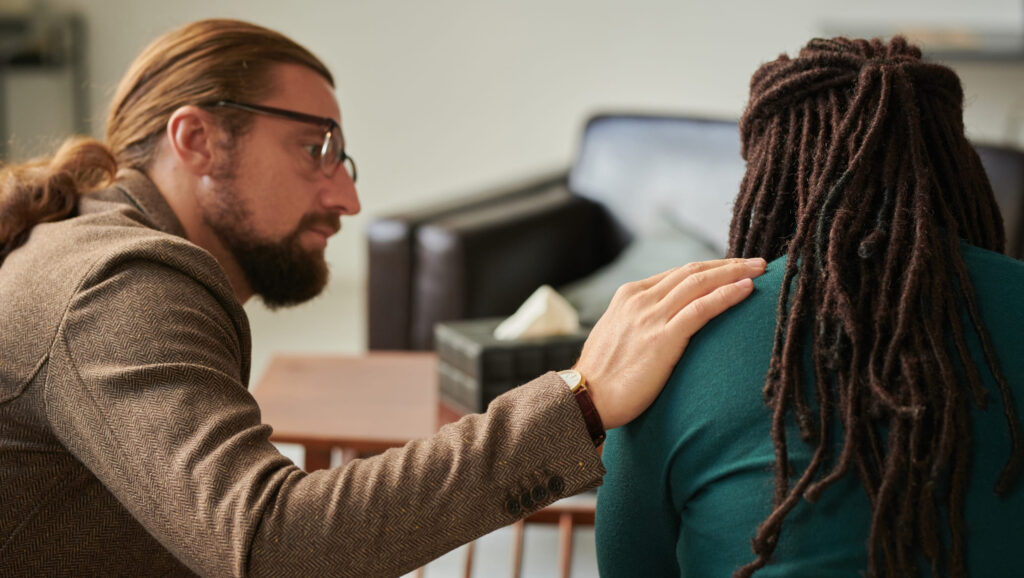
544,314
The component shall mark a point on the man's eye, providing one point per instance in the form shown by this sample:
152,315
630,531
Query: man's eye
314,151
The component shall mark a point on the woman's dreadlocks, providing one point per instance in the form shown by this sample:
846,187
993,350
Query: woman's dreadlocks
858,169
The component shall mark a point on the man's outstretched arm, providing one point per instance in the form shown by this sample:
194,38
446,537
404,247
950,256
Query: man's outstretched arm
163,420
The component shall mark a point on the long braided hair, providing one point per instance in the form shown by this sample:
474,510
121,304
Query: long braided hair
859,171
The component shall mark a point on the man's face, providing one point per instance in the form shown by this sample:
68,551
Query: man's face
273,207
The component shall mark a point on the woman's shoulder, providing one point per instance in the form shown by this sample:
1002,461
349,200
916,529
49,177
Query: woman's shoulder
998,284
990,267
735,347
717,382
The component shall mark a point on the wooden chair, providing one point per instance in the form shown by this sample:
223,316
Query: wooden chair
568,514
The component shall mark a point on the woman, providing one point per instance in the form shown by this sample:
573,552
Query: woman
885,336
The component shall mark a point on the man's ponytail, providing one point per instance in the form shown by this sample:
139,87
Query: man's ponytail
47,189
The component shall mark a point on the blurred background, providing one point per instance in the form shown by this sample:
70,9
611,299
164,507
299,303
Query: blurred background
443,98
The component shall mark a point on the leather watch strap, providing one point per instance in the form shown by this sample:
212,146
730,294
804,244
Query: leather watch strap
581,392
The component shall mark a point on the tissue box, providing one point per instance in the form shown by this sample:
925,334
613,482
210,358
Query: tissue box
475,367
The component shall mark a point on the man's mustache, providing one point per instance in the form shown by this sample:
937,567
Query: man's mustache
313,220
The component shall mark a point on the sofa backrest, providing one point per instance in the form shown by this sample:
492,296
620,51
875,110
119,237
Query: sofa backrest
1005,169
642,168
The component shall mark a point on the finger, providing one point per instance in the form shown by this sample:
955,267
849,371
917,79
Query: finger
698,269
684,270
677,291
698,312
704,283
652,280
627,291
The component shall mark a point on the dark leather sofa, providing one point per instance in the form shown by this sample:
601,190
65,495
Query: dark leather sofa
481,256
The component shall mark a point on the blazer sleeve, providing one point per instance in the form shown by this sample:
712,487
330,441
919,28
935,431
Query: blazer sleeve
146,390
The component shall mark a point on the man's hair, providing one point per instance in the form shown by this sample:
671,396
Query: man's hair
201,62
859,171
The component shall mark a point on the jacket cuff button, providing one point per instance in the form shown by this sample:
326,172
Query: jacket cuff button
512,507
526,500
556,485
540,493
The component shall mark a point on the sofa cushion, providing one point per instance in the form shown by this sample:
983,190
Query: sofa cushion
665,245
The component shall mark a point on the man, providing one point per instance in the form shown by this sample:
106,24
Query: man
128,441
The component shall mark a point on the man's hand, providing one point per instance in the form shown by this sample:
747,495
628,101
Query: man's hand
631,352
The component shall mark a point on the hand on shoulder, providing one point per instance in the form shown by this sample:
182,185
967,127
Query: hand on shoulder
631,352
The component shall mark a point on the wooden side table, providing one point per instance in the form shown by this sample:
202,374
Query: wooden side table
359,403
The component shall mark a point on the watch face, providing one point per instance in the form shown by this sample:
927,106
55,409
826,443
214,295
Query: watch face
571,377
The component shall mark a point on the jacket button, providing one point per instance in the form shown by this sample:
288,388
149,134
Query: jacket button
526,500
512,507
540,493
557,485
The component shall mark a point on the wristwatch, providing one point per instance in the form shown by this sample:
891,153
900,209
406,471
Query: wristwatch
578,385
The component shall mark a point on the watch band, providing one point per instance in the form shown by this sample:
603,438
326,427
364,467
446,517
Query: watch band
581,392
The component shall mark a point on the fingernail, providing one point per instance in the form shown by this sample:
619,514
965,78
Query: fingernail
744,283
757,263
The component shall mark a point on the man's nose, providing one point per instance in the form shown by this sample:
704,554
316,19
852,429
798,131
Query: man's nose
340,194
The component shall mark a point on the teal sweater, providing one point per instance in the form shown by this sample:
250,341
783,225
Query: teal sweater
689,481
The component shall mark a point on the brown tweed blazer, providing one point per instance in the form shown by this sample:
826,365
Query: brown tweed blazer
129,444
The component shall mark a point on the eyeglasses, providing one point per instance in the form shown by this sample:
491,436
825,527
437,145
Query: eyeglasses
331,153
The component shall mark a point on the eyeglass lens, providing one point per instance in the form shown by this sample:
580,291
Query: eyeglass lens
333,155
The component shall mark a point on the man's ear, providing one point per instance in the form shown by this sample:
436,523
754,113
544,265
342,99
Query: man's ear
193,134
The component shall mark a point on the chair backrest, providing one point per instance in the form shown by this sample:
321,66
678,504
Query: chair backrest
645,167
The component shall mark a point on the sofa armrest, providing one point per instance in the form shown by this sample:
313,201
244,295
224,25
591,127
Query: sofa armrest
391,262
486,262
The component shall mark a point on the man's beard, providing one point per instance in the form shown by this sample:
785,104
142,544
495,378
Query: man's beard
281,273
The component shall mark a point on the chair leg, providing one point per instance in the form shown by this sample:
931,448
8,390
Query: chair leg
468,571
349,454
565,527
517,548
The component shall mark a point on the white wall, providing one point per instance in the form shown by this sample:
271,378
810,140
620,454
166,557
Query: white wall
443,97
